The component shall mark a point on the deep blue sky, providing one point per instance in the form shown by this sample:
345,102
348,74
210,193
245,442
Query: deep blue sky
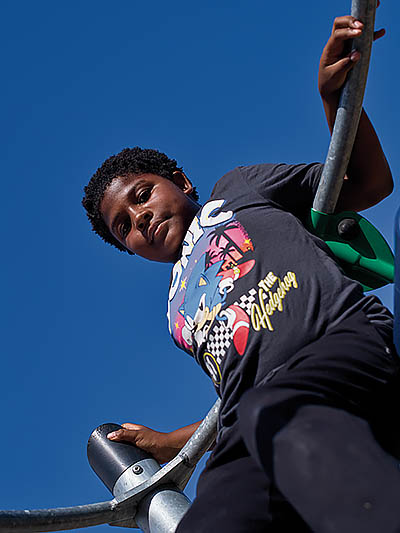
213,84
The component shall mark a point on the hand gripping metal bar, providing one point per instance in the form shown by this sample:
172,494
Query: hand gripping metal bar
121,510
348,113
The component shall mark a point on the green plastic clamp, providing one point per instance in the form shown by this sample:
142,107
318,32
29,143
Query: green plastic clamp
359,248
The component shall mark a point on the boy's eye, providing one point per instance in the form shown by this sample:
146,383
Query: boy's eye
143,196
125,228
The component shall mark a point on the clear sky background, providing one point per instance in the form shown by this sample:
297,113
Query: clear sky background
84,337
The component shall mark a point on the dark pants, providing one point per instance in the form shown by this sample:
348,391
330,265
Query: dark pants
310,452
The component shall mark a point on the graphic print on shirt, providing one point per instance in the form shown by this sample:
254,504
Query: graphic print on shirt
217,251
204,276
271,293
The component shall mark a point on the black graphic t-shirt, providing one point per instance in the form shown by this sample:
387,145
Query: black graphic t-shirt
253,286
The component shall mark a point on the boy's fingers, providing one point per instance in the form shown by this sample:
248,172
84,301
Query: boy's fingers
346,22
128,425
343,34
379,33
338,71
334,49
345,64
123,434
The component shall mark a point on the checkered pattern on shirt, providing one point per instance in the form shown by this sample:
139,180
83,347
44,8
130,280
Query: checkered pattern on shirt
219,340
221,335
246,300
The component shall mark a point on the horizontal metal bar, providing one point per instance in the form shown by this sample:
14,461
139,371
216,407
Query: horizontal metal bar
58,519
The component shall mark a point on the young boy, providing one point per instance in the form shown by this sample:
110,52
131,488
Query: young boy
303,361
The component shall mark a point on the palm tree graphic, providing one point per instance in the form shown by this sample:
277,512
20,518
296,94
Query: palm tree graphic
210,256
224,252
220,231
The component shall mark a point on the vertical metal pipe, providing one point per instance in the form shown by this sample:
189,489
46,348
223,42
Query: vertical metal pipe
348,113
162,510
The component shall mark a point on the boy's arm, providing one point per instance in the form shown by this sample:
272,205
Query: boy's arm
368,178
162,446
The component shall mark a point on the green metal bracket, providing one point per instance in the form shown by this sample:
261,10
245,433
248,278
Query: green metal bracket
359,248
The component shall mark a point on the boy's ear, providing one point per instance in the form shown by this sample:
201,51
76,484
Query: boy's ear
182,181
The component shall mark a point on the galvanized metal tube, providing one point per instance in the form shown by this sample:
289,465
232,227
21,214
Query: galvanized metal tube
348,113
162,510
58,519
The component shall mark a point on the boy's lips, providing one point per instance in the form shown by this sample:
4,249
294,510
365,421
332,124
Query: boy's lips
154,229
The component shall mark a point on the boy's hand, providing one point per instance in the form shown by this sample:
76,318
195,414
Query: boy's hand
153,442
162,446
337,60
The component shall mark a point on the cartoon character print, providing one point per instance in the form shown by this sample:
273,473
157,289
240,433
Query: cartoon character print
224,257
204,301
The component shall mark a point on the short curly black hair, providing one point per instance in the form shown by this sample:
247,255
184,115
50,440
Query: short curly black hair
129,161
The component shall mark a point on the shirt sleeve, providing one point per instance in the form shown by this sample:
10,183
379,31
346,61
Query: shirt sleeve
292,187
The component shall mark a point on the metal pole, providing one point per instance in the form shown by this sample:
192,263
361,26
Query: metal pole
348,113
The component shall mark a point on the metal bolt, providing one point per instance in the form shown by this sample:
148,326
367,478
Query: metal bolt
137,469
348,229
367,505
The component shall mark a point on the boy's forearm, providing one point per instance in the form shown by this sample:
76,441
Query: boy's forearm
368,169
369,178
179,437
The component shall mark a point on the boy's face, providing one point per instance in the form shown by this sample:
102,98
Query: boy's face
150,215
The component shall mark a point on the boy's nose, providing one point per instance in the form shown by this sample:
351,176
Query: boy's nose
142,220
